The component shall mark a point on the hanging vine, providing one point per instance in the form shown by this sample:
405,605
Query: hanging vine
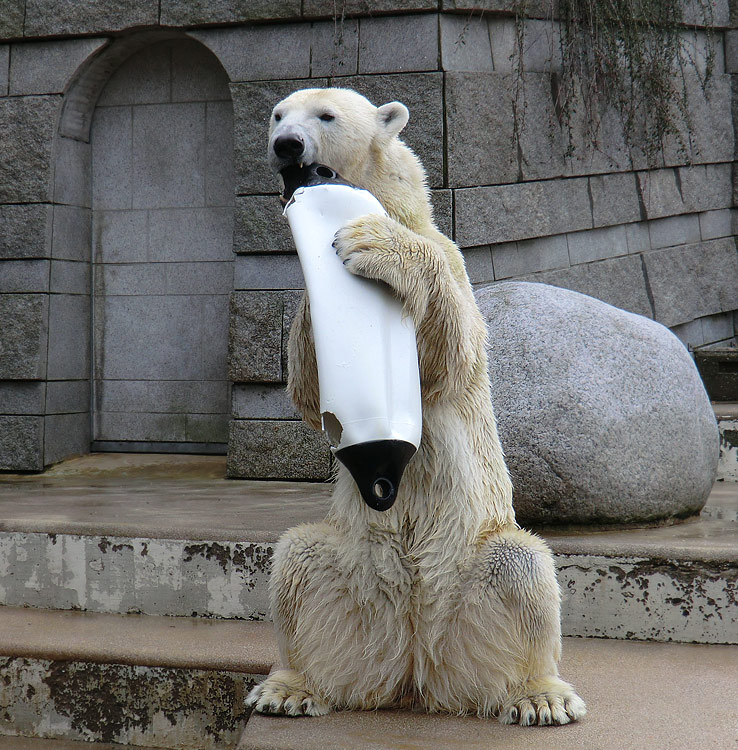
633,56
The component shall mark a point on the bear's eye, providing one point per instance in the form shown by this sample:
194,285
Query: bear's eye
327,117
277,117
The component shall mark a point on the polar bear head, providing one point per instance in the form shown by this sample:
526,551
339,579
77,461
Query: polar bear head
345,131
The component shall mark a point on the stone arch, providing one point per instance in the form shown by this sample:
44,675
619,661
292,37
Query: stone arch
82,225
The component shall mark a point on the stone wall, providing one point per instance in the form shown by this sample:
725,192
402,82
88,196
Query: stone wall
659,242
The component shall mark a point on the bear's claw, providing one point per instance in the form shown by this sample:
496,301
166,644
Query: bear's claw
557,705
284,693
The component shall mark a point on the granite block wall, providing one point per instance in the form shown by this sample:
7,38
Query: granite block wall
658,241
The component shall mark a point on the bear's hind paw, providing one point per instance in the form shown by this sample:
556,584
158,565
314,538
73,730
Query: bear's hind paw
556,704
284,693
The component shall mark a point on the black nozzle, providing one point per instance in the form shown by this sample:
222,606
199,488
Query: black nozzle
297,176
377,468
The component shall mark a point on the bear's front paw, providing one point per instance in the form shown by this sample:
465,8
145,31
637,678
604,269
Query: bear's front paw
366,246
284,692
552,702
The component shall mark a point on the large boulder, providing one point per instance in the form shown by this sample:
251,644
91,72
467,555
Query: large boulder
602,414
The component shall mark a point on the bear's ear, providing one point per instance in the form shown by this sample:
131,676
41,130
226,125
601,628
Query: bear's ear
392,118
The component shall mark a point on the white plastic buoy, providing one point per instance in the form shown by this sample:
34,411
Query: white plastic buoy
365,347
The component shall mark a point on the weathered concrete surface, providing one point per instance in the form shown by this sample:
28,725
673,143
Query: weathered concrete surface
111,540
202,710
137,640
33,743
639,696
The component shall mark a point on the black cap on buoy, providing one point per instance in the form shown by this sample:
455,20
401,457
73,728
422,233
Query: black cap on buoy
306,175
377,468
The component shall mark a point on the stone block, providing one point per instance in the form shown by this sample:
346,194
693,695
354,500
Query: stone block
422,93
21,443
252,108
529,256
255,340
334,49
398,44
11,19
220,176
597,244
269,449
121,236
66,435
623,429
706,186
690,334
364,7
112,176
255,53
168,158
731,51
48,67
715,224
24,276
73,172
206,428
196,12
4,68
70,277
503,41
442,204
693,281
197,234
638,237
717,327
200,279
478,261
471,161
60,17
260,226
541,46
514,212
69,337
67,396
618,281
710,138
72,234
197,74
614,199
17,397
144,78
660,193
268,272
25,230
23,336
674,230
465,44
27,125
163,396
262,401
127,427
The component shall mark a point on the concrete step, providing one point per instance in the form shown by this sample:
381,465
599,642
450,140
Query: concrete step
640,696
33,743
167,535
130,679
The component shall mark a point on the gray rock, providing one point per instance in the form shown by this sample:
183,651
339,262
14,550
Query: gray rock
190,12
11,19
255,340
25,230
56,17
21,443
602,414
23,336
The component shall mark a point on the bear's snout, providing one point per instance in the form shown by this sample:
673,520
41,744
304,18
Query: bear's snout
289,147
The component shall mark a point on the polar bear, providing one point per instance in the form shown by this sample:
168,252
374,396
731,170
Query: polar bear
442,602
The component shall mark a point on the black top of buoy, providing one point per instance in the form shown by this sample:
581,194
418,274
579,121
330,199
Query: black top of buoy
306,175
377,468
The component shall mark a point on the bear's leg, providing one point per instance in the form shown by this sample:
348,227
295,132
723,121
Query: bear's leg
337,606
515,571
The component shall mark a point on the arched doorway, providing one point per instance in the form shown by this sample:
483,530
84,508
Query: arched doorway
162,225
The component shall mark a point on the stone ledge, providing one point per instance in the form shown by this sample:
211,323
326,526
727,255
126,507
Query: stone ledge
174,642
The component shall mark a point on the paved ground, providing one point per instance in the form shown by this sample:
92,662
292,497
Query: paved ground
640,696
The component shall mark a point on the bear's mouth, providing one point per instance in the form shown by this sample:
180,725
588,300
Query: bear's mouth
295,176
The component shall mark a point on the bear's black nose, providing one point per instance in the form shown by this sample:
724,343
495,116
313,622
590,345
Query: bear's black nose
289,146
